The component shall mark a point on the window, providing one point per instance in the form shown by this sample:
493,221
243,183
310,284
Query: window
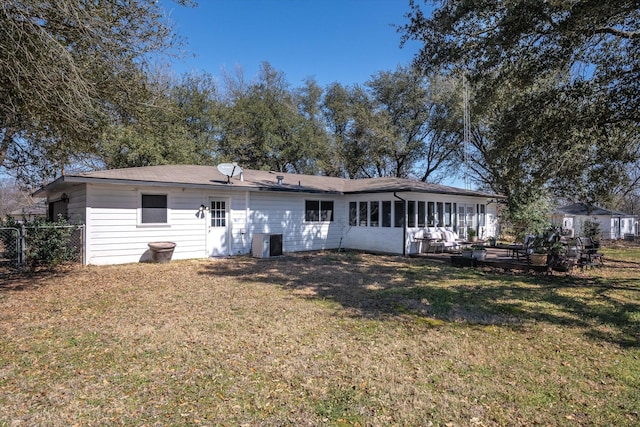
154,209
312,210
218,213
411,208
353,213
421,214
440,217
386,213
431,215
447,214
326,210
399,211
318,210
375,214
363,214
453,217
481,217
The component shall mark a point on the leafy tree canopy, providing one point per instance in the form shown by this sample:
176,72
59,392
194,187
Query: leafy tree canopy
555,89
68,68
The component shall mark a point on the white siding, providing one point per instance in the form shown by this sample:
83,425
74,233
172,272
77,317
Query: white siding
240,243
389,239
115,236
283,213
376,239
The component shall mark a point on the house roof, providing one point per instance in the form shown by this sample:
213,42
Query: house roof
195,176
584,209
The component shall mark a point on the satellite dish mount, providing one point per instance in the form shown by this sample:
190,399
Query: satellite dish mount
229,170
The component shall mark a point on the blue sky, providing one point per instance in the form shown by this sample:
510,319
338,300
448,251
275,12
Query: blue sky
345,41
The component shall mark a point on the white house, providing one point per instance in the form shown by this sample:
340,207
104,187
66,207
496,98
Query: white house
613,225
209,214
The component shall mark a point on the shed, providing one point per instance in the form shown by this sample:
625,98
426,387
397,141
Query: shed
613,224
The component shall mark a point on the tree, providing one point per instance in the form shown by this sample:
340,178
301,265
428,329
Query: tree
314,135
180,125
12,197
388,127
68,69
555,88
412,141
336,110
262,127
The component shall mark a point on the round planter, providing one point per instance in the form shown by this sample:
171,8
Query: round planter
161,252
538,259
467,254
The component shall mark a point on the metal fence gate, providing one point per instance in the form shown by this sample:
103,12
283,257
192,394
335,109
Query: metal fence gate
21,246
10,250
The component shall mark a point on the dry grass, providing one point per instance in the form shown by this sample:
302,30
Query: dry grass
321,339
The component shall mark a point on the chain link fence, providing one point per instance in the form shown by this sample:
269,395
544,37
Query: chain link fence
10,250
30,247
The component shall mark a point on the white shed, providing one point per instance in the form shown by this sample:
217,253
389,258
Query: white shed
613,225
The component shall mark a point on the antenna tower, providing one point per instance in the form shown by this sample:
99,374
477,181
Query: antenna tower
466,131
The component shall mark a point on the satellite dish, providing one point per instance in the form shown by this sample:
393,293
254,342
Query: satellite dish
230,170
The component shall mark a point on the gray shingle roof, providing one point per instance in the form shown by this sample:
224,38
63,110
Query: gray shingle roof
584,209
209,176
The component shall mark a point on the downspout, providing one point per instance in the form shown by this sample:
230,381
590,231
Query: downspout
404,225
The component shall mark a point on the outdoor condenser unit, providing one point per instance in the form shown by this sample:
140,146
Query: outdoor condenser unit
266,245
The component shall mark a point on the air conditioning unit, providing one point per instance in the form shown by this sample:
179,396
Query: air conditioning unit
266,245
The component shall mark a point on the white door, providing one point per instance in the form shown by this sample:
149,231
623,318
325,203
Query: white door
218,228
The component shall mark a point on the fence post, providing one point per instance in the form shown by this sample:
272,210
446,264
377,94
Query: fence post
23,246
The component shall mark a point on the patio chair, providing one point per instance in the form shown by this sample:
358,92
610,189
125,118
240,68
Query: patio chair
450,240
526,249
589,254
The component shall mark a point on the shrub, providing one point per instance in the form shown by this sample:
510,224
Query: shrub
47,244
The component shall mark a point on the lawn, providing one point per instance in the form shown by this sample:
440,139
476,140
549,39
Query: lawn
321,339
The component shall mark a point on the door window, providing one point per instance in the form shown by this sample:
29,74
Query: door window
218,213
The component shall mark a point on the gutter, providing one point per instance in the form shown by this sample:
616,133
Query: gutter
404,225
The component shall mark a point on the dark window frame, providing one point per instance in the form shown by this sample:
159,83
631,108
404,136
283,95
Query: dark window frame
374,214
447,214
353,214
440,214
399,213
386,213
422,214
318,210
154,208
411,213
363,214
431,214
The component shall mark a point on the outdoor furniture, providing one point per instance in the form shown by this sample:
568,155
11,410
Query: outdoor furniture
525,249
428,241
589,254
450,240
510,248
